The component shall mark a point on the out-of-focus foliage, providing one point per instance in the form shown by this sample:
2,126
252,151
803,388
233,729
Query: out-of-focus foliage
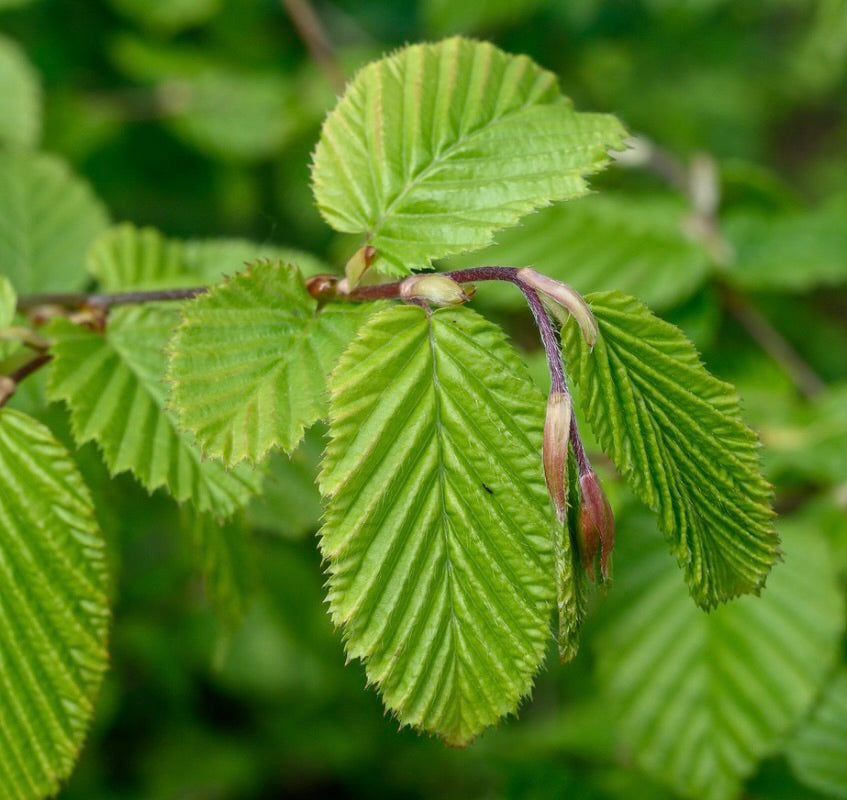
198,118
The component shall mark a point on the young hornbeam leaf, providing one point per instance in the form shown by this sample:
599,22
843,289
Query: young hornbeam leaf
437,290
554,449
434,148
437,532
359,263
8,299
675,433
561,301
596,525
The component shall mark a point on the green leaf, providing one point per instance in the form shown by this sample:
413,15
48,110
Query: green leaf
790,251
126,257
249,362
434,148
290,503
54,612
8,302
443,16
48,217
437,532
675,433
699,698
818,752
634,244
20,88
114,385
226,558
168,16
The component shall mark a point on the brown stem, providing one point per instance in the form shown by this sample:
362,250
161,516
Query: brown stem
105,301
10,382
312,32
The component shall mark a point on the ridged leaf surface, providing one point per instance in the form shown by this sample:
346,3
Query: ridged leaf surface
675,432
250,359
699,698
437,532
437,146
818,753
605,242
54,610
114,384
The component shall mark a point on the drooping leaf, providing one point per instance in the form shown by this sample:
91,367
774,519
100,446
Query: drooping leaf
698,699
126,257
818,752
790,251
437,532
290,503
249,362
48,217
226,559
434,148
54,610
113,383
675,432
633,244
20,88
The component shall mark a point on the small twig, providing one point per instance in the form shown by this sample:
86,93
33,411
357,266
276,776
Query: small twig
9,383
312,32
807,381
25,336
106,301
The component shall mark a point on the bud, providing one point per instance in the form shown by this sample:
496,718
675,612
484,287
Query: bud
322,287
436,289
596,525
7,388
358,265
554,449
561,300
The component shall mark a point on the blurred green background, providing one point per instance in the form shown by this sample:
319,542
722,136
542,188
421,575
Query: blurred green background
729,218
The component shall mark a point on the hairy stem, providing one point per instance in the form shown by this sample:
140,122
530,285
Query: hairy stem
105,301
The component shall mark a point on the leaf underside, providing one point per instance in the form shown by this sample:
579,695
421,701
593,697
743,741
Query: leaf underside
437,531
114,386
698,698
434,148
54,610
675,432
249,362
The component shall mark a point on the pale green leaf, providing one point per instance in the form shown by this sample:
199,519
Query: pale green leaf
48,217
437,532
821,59
790,251
290,503
249,362
8,302
818,752
20,88
114,385
698,699
434,148
54,612
168,16
633,244
675,433
126,257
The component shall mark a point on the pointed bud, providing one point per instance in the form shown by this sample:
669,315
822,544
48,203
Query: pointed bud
322,287
439,290
554,449
358,265
561,300
596,524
